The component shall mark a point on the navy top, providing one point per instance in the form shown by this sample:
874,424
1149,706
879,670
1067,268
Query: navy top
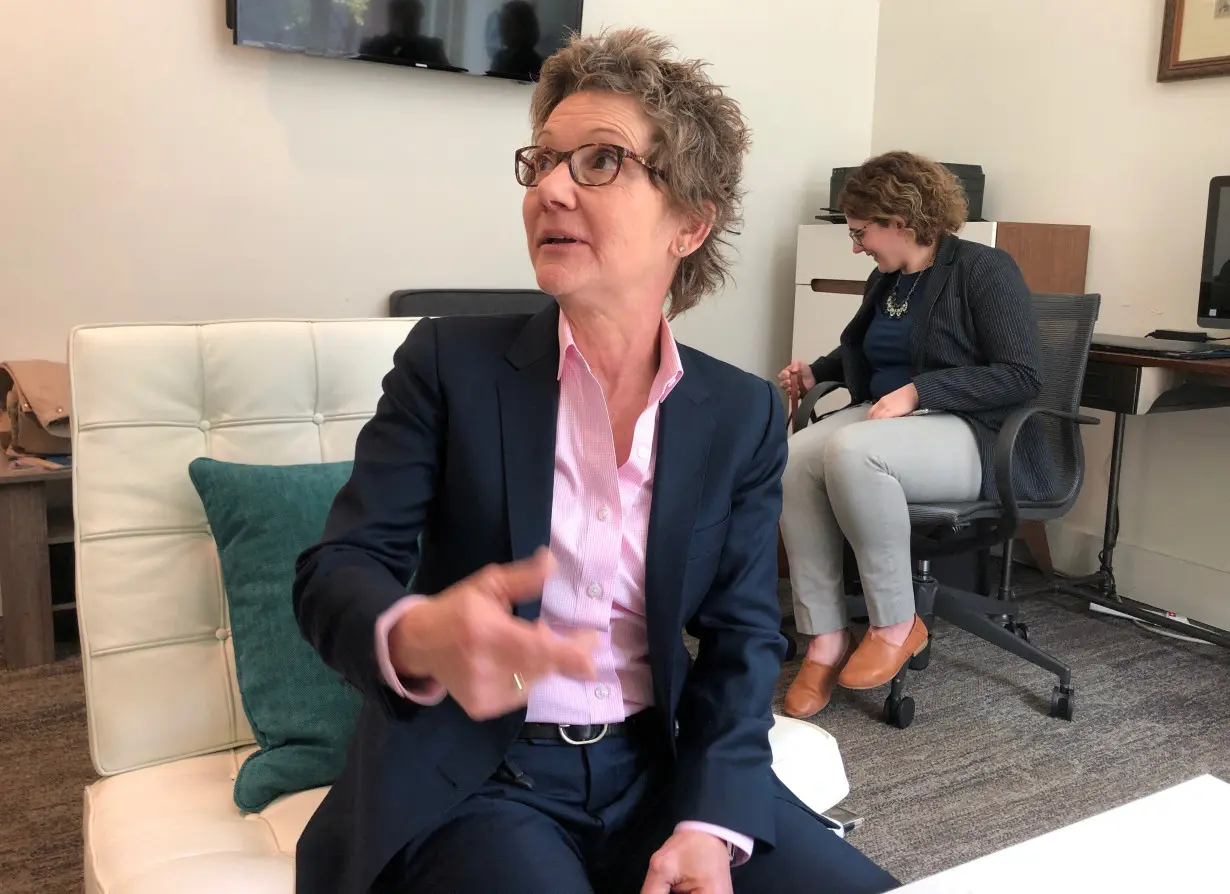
887,342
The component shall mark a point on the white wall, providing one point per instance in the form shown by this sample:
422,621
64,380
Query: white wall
179,177
1058,101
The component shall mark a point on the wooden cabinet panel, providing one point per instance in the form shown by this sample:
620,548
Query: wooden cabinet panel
1052,257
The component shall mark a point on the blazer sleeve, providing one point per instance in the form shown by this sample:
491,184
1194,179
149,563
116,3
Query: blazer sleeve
367,555
1010,373
829,367
724,762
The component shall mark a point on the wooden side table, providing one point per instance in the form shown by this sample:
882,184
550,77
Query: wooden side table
27,529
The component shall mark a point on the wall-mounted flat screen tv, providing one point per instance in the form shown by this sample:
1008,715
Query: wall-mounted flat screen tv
493,38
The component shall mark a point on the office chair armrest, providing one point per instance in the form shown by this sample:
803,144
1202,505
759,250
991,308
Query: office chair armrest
803,415
1005,454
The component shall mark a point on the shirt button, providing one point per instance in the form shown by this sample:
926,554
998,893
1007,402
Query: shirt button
600,691
594,590
642,452
604,513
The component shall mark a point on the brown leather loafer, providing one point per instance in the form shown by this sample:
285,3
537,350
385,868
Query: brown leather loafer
876,660
813,685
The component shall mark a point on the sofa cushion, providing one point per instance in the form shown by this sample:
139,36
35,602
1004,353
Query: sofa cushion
301,712
175,827
808,762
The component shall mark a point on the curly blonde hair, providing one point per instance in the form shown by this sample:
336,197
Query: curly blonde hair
923,194
700,141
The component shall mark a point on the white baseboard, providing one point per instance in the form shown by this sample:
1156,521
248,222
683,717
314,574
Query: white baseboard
1165,582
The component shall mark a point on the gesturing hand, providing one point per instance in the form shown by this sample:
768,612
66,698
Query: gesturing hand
690,862
901,402
469,641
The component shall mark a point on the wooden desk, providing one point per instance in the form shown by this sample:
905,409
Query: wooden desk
1129,384
1136,384
27,529
1215,366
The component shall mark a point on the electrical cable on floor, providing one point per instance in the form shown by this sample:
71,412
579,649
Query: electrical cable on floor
1166,631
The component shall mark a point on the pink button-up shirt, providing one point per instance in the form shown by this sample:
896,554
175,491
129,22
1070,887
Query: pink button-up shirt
599,532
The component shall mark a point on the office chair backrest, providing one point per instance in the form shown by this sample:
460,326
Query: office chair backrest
450,302
1065,328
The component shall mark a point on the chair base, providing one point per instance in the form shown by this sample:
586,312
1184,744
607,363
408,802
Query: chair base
993,620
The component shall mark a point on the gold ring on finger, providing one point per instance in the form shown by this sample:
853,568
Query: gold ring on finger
519,682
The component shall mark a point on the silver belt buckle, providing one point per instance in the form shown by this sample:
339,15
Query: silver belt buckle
563,734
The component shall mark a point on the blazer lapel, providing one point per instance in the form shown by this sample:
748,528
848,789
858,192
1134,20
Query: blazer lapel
529,401
936,282
684,434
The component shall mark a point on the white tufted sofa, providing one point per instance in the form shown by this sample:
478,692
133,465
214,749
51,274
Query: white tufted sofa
166,727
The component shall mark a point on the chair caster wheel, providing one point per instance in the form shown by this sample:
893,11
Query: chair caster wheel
899,711
1061,702
922,659
792,648
1019,628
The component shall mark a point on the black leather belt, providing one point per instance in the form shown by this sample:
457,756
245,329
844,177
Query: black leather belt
583,733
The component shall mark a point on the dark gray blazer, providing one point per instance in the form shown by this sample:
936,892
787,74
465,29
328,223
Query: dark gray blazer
974,347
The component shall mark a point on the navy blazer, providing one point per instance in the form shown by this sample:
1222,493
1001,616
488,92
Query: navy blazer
455,471
975,350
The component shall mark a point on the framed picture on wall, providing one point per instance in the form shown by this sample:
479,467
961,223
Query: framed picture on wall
1195,40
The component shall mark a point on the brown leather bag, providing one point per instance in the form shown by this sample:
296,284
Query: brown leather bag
36,402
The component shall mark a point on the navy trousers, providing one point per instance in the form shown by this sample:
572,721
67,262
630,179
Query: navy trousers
587,819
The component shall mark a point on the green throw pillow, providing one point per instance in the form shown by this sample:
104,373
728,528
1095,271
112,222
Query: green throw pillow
301,712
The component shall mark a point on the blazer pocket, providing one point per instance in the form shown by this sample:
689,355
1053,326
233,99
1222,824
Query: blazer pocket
708,539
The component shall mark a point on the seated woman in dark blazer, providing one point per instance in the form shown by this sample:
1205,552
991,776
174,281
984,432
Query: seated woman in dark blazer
943,349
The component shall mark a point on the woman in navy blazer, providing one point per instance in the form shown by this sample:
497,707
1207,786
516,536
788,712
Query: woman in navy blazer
533,722
943,349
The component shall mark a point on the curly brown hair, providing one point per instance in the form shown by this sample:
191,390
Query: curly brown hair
699,145
924,195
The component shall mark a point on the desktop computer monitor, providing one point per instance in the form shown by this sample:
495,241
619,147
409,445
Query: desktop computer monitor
1214,308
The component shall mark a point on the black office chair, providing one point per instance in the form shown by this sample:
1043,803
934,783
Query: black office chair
1065,324
467,302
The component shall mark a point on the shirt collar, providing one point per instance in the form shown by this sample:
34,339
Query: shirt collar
670,366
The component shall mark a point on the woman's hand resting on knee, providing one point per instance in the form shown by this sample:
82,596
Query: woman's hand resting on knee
786,378
468,640
901,402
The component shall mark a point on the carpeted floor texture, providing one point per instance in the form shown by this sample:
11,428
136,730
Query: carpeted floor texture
982,766
45,764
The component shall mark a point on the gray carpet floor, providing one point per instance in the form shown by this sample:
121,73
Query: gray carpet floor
982,766
44,765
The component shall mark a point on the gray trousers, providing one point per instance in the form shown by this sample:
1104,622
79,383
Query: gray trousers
853,476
